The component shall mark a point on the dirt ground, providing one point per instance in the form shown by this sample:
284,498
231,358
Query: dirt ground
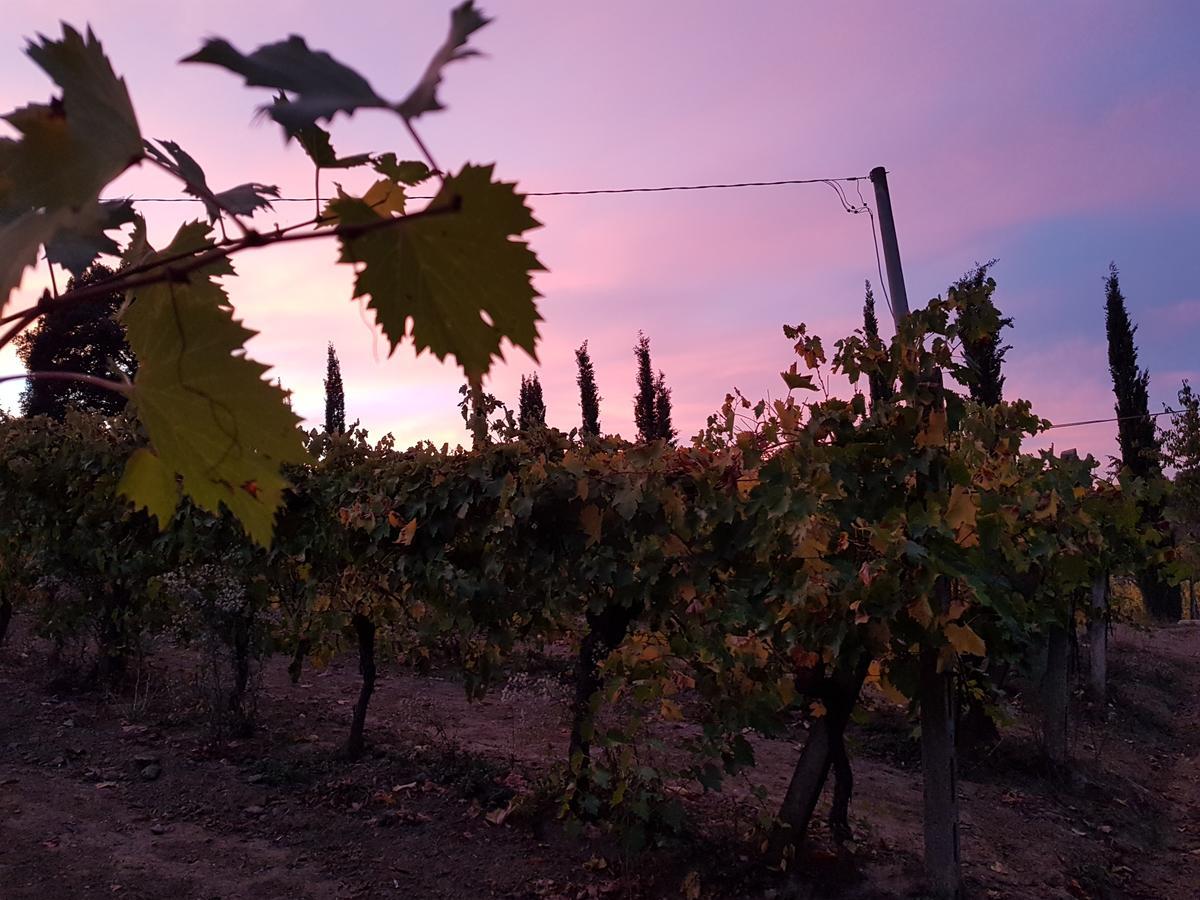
127,796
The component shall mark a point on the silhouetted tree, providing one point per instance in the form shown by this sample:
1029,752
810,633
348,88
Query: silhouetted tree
76,337
1181,449
531,407
335,396
1135,429
980,323
663,430
880,388
589,396
644,414
1140,448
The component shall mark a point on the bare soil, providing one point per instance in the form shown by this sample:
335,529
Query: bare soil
126,795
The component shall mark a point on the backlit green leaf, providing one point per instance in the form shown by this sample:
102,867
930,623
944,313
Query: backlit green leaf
151,484
408,171
208,412
79,241
68,149
456,281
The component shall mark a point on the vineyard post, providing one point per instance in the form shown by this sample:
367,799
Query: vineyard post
938,701
891,249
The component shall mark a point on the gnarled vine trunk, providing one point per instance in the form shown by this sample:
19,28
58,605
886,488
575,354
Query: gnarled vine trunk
606,630
824,749
242,719
113,637
296,666
939,768
6,609
364,630
1098,643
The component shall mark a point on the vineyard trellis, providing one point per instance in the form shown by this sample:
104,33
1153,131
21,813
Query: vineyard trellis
799,549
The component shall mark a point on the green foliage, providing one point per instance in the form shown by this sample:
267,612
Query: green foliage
444,270
209,414
455,276
77,245
69,150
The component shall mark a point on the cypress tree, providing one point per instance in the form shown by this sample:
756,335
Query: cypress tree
663,430
335,397
878,384
589,396
531,406
980,324
1136,433
644,412
76,337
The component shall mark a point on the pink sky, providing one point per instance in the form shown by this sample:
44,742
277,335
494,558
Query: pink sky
1056,140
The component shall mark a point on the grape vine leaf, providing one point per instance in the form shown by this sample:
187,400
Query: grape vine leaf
68,149
20,237
457,271
242,200
82,238
322,86
208,412
465,19
155,487
406,171
964,640
318,144
92,131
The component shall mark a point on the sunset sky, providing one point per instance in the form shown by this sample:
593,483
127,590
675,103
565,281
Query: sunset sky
1054,137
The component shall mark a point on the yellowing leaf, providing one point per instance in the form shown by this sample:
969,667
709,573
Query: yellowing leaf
589,520
920,611
891,692
964,640
961,509
208,412
1047,510
405,537
670,710
456,281
672,546
934,432
385,197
